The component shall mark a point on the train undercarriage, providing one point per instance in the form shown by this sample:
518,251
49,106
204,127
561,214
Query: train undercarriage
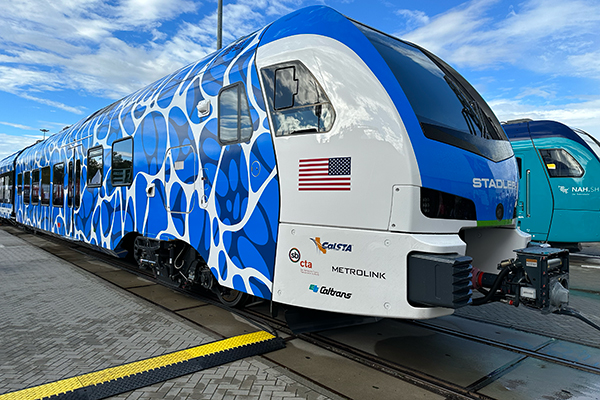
175,263
537,277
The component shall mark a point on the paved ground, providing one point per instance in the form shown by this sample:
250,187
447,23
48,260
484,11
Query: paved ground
584,297
59,321
62,321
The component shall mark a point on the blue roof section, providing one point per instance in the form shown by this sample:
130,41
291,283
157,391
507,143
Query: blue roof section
542,129
518,131
315,20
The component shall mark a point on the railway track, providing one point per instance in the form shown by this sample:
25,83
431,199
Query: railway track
258,313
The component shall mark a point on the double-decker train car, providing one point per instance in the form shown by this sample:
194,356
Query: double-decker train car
317,163
559,191
7,176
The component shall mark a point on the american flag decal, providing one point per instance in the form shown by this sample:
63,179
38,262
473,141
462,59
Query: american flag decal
324,173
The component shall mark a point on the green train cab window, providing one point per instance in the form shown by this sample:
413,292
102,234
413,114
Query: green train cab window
560,164
297,102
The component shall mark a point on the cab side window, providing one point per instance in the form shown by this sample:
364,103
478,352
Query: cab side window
561,164
235,124
297,102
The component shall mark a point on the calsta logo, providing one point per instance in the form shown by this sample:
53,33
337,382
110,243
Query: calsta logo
323,247
314,288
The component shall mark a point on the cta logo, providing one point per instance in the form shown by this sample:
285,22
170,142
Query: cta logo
329,291
487,183
305,265
323,247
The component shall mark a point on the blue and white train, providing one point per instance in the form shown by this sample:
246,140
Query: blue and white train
316,162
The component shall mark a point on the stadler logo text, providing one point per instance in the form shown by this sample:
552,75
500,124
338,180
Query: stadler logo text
329,291
494,183
323,247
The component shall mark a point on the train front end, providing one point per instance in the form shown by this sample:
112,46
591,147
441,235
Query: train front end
396,177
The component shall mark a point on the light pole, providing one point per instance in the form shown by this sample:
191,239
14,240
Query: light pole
44,130
219,24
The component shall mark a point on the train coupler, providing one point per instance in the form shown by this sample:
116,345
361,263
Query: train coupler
537,278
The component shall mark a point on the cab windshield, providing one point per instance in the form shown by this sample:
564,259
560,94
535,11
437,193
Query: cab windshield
449,110
590,140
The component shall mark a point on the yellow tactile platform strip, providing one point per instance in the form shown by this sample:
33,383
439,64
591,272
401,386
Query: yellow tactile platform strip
138,367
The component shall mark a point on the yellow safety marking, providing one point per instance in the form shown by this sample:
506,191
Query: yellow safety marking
122,371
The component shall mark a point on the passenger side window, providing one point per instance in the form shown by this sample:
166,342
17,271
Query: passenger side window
235,124
2,190
35,186
9,188
20,183
561,164
297,102
77,183
58,185
70,185
45,189
519,165
95,167
26,187
122,162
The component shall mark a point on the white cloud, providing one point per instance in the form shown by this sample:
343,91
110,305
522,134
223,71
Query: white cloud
81,45
586,64
11,143
413,18
549,36
18,126
543,92
584,115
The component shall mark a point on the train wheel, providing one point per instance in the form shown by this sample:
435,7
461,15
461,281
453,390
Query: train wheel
232,297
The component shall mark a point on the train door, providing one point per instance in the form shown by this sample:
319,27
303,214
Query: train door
181,175
536,203
73,193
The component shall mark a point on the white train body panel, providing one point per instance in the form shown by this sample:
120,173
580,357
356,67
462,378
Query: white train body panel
368,129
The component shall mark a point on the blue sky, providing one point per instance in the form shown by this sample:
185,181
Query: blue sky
62,60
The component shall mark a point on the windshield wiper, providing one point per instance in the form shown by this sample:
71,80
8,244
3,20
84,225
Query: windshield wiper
472,112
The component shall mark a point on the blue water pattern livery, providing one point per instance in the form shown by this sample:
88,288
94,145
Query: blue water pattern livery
203,193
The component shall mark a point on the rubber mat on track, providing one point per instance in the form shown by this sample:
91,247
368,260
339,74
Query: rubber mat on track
124,378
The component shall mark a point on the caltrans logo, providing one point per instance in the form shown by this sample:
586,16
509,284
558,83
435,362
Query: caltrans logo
329,291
